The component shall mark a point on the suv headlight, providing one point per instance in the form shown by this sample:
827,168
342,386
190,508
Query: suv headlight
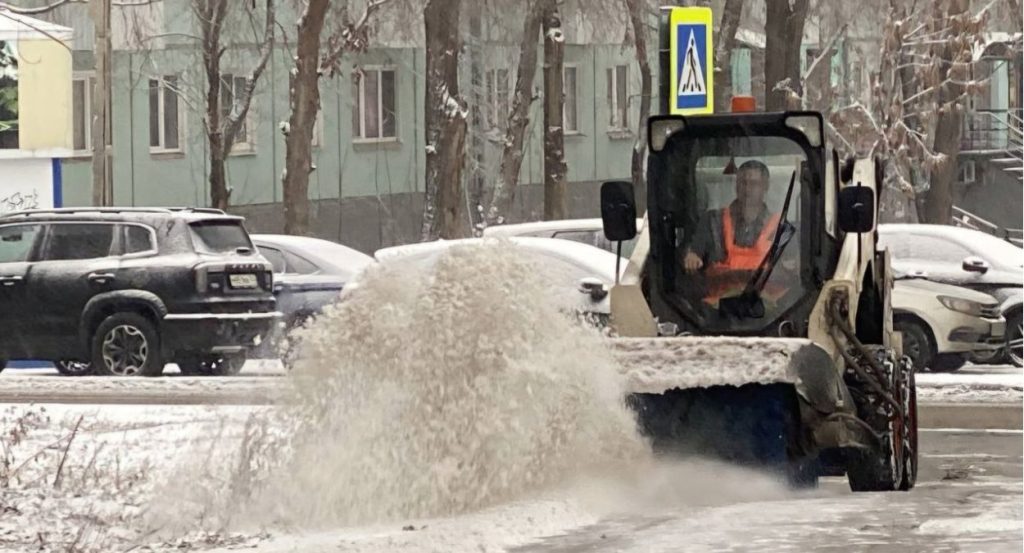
961,305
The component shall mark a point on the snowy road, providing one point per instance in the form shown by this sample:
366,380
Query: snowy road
968,499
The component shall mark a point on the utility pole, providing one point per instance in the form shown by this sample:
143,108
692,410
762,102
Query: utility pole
102,191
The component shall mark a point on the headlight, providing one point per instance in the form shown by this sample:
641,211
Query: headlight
963,306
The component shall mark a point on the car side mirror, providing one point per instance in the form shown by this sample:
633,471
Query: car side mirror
618,210
856,209
973,264
594,287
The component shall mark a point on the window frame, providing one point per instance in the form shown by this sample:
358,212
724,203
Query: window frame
575,68
122,237
359,104
497,99
44,246
37,243
614,124
162,87
245,141
87,78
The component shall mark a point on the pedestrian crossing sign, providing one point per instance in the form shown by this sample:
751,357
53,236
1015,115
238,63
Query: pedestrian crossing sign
692,61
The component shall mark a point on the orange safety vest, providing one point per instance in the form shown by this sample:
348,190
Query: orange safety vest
730,275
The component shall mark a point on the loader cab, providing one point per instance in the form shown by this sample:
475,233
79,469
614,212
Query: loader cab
727,189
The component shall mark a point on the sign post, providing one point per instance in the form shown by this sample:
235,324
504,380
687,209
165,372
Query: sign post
687,60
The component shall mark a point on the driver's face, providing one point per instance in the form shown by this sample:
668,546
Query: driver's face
751,187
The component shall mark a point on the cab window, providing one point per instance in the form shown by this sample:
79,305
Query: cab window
78,241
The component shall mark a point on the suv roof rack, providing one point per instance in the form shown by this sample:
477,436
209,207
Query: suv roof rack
73,210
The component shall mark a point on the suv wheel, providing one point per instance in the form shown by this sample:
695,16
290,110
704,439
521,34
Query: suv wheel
127,344
73,368
228,365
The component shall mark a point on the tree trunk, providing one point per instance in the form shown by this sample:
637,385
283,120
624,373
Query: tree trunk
732,12
555,201
476,160
948,128
102,191
444,121
519,119
304,98
784,30
637,18
211,15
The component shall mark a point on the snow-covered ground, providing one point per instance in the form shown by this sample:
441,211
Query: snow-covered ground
973,384
107,485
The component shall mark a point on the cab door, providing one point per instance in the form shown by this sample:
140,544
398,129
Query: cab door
18,324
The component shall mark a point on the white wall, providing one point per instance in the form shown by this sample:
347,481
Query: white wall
26,184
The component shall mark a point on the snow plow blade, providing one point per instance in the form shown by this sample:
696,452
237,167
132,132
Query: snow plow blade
769,402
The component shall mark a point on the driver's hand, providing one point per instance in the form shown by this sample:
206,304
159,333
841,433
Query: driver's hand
692,262
789,264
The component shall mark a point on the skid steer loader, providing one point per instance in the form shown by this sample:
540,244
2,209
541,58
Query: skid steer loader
792,365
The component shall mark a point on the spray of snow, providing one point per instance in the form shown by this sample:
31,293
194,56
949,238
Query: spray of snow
435,390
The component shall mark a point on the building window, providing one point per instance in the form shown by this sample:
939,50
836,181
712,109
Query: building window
570,110
968,172
232,87
618,98
81,113
165,117
375,112
497,98
82,86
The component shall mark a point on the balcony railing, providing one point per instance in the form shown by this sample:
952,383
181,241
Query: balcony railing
964,218
992,130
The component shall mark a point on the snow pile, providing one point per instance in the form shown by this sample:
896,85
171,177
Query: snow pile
653,365
430,391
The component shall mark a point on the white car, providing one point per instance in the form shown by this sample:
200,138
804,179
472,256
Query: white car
582,274
968,258
585,231
942,324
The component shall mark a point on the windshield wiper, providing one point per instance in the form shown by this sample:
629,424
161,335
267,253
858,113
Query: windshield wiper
748,303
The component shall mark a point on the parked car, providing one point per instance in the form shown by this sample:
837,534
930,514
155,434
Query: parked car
583,273
586,231
968,258
123,291
309,274
942,324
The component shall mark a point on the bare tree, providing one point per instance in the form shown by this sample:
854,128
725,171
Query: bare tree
304,97
919,97
445,121
732,13
221,132
784,30
519,118
637,18
555,201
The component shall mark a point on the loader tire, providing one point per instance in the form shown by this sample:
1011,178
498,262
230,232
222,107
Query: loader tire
891,463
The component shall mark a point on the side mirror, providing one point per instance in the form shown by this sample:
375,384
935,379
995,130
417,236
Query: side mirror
973,264
618,211
856,209
594,287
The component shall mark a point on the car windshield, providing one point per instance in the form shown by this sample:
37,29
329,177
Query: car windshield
220,236
724,199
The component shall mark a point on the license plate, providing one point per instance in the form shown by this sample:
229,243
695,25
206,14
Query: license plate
242,281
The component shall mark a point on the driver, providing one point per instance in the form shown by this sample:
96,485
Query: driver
732,242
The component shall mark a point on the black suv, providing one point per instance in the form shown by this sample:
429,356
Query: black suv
124,291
